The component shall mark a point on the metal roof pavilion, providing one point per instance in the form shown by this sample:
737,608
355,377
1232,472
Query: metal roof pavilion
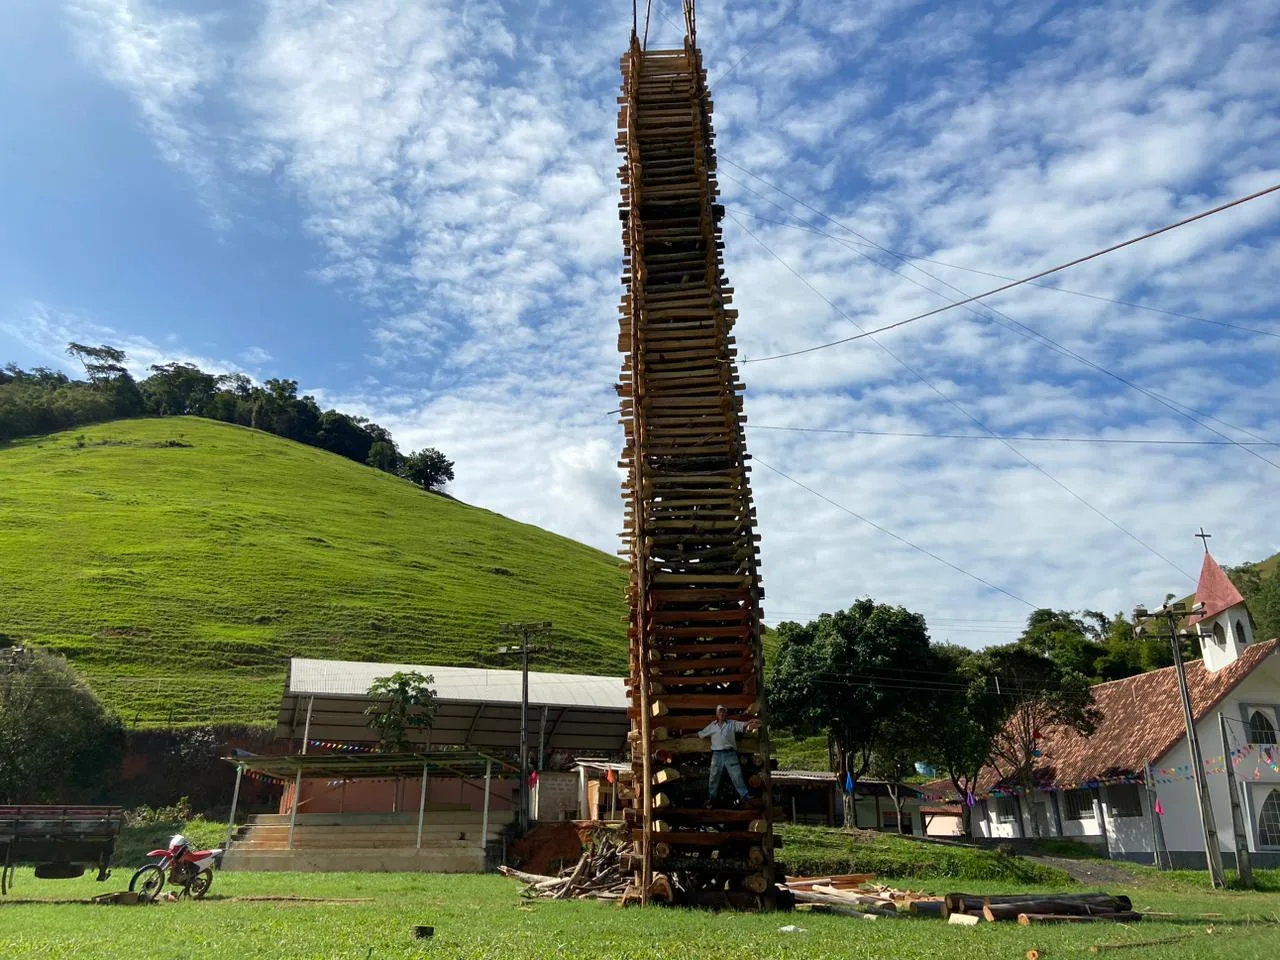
479,708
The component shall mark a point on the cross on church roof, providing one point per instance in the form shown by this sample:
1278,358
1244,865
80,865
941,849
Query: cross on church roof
1204,538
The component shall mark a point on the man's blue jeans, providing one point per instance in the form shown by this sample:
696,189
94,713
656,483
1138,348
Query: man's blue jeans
722,762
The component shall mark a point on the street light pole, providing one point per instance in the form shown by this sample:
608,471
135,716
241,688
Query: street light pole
1212,851
525,631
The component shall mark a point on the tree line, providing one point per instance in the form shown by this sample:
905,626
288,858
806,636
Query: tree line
886,696
41,400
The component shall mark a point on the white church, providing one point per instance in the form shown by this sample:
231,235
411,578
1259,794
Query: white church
1128,788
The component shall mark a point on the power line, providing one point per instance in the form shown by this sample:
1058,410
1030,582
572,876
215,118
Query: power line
890,533
755,46
1008,286
809,228
978,436
1183,410
969,416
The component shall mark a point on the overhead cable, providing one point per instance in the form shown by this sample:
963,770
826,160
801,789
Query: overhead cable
965,412
890,533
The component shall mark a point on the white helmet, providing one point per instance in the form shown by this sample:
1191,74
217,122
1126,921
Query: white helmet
178,840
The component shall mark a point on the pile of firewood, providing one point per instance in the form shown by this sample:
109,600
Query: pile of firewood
598,875
855,893
1029,908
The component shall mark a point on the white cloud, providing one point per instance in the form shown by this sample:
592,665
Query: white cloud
455,164
256,356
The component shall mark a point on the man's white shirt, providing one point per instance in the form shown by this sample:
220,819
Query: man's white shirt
723,735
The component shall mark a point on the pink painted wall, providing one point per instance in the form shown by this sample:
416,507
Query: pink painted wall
385,796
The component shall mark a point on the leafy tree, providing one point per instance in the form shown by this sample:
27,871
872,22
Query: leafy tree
101,364
57,741
843,675
1064,638
430,469
384,456
1041,695
901,742
179,389
964,717
403,701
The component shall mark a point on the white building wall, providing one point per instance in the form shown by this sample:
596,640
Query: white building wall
1131,837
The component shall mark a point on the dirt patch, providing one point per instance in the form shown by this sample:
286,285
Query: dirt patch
549,846
1092,872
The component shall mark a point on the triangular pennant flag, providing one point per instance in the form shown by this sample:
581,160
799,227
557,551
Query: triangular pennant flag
1159,808
848,782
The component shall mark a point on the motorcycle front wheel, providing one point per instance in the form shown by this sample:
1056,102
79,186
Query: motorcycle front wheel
148,882
200,885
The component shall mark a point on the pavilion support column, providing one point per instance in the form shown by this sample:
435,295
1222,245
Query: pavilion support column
422,804
582,793
306,727
484,820
235,799
293,813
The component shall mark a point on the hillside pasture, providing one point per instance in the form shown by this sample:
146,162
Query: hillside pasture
179,562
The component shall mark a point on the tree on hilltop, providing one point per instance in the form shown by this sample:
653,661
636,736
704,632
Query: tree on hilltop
430,469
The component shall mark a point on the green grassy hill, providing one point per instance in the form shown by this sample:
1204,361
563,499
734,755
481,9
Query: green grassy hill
179,562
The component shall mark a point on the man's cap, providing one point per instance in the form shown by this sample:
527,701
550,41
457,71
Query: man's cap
721,706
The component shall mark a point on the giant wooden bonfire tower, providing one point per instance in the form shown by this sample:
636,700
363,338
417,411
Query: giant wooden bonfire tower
695,585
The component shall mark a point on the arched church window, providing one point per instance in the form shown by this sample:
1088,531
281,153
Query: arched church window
1219,635
1261,729
1269,821
1240,633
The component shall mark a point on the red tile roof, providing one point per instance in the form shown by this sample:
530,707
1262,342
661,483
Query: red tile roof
1215,591
1141,721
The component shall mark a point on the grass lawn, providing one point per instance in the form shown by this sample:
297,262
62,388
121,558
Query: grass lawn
482,916
179,562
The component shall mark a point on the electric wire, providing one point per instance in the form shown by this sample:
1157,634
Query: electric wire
795,5
969,416
1016,283
890,533
798,224
1183,410
1020,438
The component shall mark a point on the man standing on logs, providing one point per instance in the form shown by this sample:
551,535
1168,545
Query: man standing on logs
724,753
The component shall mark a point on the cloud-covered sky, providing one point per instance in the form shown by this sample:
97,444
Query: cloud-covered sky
411,207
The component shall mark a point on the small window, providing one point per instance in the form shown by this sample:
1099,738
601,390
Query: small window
1219,635
1261,730
1269,821
1240,639
1123,800
1006,812
1079,804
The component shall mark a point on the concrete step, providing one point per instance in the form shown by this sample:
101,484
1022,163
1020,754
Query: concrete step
380,819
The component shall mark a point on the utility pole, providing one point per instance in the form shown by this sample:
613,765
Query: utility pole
1244,867
1213,854
526,632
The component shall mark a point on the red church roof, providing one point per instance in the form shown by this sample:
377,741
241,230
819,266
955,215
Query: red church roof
1215,591
1141,721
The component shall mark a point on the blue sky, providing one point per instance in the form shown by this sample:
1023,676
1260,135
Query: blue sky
411,208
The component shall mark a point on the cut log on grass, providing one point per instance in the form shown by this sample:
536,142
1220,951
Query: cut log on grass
1120,916
964,919
1034,954
1104,947
926,908
1073,906
974,902
521,875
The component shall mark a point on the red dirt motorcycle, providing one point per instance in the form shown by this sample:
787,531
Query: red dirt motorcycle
192,870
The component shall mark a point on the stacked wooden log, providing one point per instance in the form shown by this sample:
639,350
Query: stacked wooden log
599,874
1030,908
690,536
855,892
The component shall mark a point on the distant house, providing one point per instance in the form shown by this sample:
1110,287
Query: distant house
1128,788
